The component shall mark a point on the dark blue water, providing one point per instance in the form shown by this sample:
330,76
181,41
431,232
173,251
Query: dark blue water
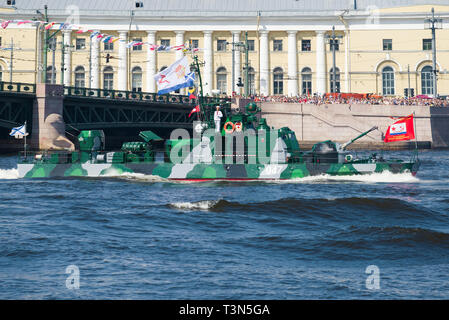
135,237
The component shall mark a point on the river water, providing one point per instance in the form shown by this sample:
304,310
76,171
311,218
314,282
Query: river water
382,236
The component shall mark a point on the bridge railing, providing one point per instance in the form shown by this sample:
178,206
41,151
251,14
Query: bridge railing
132,95
17,87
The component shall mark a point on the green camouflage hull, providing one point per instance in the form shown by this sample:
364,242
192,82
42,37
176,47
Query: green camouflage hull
199,172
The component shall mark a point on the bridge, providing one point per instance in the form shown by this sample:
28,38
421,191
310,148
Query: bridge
84,108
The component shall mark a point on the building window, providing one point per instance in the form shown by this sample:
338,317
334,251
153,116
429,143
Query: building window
221,45
51,75
108,46
278,81
306,75
387,81
80,76
222,79
387,44
277,45
337,80
165,42
427,80
138,47
306,45
136,79
108,78
80,43
427,44
251,46
1,73
251,80
194,43
335,43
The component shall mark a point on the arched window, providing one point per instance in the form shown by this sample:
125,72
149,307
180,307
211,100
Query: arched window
337,80
278,81
51,75
306,75
427,80
252,80
1,73
80,76
222,78
136,78
387,81
108,78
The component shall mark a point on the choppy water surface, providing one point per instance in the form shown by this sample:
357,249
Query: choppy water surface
137,237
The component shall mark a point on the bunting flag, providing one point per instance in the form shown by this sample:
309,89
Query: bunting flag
196,109
5,24
97,35
192,93
49,25
23,22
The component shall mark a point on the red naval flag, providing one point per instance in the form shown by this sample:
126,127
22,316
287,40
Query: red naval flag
401,130
196,109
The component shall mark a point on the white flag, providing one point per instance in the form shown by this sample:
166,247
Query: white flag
19,132
175,77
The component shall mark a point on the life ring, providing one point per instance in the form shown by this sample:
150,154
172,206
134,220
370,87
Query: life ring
229,130
238,126
348,157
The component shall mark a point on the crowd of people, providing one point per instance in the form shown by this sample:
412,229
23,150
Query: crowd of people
355,99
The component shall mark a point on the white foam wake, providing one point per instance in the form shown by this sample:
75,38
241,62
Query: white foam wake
200,205
384,177
9,174
135,176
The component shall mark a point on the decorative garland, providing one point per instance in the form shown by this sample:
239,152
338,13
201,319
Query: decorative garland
105,38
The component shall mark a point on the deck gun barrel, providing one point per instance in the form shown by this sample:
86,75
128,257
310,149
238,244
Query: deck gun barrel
346,144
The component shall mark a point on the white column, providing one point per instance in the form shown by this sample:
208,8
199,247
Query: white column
180,53
347,63
122,61
151,63
208,67
292,64
320,73
264,64
67,34
237,67
95,63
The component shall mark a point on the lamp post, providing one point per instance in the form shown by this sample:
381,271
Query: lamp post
433,24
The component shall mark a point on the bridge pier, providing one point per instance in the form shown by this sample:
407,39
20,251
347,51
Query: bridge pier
48,124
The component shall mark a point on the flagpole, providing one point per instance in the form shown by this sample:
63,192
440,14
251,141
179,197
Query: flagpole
416,135
25,141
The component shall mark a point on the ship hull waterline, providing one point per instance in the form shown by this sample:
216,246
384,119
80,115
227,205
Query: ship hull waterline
211,172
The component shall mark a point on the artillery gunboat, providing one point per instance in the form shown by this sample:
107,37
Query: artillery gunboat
245,148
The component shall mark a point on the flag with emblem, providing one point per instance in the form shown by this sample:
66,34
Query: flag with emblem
176,76
401,130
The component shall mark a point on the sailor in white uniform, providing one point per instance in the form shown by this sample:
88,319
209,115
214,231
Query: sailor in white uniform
217,118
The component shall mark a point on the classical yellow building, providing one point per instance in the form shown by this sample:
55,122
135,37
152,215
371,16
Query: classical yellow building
381,46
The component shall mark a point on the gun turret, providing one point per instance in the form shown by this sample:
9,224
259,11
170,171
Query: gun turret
346,144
